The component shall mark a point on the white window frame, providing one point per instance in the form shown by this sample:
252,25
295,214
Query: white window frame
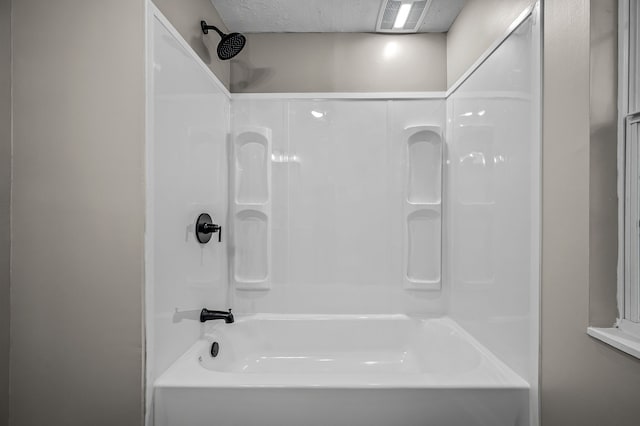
629,162
629,305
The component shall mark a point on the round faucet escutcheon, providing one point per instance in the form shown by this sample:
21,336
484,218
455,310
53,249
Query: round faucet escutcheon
205,228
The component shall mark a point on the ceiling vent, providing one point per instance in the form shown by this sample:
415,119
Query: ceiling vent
402,16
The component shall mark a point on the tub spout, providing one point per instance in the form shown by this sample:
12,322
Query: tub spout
207,315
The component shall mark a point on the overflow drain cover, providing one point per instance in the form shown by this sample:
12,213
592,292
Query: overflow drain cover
214,349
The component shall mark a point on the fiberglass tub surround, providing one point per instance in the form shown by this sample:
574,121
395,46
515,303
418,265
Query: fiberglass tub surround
379,253
348,217
493,205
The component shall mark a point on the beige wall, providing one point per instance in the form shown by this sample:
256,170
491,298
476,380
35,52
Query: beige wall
5,197
583,381
78,213
185,16
347,62
603,200
477,27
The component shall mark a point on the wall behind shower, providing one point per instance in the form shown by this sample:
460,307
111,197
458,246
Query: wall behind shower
340,62
5,197
185,16
477,27
583,380
77,266
330,235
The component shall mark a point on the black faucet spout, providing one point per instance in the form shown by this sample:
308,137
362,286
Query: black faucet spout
207,315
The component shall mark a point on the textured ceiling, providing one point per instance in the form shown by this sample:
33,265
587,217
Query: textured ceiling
322,16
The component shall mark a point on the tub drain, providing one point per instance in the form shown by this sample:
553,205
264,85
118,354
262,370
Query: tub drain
214,349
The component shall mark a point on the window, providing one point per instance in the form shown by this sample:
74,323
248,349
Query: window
629,140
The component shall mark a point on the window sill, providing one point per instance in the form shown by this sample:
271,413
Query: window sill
618,339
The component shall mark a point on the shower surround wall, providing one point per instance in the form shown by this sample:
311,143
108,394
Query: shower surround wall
345,222
493,210
187,175
335,202
343,210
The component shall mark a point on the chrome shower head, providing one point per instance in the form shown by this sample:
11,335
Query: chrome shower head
230,44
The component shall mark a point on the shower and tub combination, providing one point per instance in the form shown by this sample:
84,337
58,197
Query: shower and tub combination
343,258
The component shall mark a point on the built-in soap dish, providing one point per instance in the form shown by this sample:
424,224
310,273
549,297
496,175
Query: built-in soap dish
253,166
424,164
423,250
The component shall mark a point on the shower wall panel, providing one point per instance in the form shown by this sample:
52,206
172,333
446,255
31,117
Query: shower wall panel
339,221
187,175
493,208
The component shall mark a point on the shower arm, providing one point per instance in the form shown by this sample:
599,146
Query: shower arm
206,28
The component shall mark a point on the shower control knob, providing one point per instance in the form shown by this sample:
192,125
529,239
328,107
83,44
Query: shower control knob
205,227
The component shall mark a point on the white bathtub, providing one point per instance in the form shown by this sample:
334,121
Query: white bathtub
339,370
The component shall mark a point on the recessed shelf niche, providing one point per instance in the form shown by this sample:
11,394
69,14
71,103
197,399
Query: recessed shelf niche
252,147
423,208
251,254
423,261
425,167
252,167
